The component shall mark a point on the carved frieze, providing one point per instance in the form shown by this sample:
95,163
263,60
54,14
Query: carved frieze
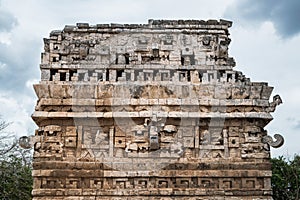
149,111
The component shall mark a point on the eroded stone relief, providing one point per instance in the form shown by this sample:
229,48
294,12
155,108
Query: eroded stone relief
151,111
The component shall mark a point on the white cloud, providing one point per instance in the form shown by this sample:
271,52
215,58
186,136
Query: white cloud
5,38
7,20
29,83
13,110
283,14
2,65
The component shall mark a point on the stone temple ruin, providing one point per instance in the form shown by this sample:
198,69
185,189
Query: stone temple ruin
149,111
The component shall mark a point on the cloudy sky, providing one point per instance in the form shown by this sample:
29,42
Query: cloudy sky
265,44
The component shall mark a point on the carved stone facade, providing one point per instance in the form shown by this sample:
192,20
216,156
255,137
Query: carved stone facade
149,111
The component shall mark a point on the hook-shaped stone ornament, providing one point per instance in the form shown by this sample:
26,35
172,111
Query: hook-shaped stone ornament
277,143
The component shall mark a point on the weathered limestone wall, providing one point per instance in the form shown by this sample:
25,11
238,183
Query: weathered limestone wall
150,111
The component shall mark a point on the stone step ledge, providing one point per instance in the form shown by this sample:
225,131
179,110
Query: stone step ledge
162,102
174,114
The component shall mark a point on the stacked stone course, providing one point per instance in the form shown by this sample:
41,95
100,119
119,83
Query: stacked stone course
149,111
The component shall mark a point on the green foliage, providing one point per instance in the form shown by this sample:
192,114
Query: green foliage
286,178
15,167
16,180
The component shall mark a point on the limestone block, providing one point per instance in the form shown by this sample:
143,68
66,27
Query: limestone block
162,101
252,129
260,102
57,114
45,75
134,102
233,131
57,91
192,114
133,114
185,101
214,102
93,79
95,114
84,91
204,101
206,92
145,113
42,90
107,101
143,101
71,131
195,77
187,131
83,102
233,142
255,92
120,142
162,114
174,114
70,142
41,114
194,102
117,101
266,92
99,102
173,101
240,92
220,92
246,102
153,101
